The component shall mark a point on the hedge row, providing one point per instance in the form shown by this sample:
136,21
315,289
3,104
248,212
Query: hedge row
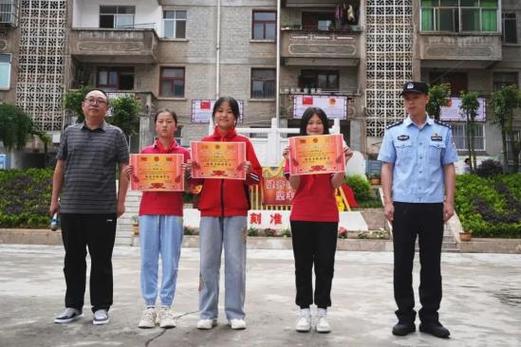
490,207
24,198
364,194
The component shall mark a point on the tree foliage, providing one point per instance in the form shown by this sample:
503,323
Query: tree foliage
469,106
439,95
16,126
503,103
124,110
73,99
125,114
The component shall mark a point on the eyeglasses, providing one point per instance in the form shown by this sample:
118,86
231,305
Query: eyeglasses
93,101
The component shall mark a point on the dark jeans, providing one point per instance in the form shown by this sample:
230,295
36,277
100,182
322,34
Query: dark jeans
96,232
426,221
314,243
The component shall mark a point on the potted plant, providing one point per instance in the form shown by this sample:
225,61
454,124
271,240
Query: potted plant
374,179
465,235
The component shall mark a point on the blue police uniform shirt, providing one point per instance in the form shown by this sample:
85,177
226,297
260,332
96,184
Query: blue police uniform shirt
419,155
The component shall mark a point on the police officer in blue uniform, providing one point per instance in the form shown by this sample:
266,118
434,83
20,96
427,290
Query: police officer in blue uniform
418,180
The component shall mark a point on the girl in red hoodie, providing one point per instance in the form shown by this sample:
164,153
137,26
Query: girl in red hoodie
224,207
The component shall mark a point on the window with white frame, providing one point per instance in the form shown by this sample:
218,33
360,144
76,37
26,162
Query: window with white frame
459,135
5,71
113,17
174,24
459,15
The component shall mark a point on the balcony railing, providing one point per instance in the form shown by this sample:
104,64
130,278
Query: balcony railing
338,47
114,45
460,47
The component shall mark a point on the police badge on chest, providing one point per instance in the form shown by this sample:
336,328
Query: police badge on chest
436,137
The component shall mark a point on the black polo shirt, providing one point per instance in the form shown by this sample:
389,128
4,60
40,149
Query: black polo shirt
91,158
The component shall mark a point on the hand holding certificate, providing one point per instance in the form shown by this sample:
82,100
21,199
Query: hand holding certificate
225,160
157,172
316,154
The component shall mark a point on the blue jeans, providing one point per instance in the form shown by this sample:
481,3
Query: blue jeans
213,234
160,235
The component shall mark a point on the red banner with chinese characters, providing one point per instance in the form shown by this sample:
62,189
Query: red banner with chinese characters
157,172
276,191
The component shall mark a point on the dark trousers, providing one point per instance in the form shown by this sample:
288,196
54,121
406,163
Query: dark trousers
95,232
426,221
314,243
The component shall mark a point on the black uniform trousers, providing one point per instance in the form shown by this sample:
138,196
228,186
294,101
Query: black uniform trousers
426,221
97,233
314,243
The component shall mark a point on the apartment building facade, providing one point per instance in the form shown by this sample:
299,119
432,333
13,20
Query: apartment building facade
274,56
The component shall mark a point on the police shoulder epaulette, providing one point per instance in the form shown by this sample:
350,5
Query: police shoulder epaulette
439,122
394,124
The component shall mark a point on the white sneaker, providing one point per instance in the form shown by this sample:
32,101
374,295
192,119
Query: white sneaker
166,318
206,324
323,325
69,315
101,317
237,324
148,318
304,321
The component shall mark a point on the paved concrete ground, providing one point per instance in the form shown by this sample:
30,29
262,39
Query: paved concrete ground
481,306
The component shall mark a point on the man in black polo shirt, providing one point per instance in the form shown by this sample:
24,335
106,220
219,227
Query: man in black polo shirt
84,179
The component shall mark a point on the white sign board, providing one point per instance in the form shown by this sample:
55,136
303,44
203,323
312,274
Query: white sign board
270,219
333,106
452,112
202,110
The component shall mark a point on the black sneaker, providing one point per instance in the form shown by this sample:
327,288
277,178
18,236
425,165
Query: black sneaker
403,328
435,329
69,315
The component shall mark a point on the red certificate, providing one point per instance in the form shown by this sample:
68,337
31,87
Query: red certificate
157,172
316,154
218,159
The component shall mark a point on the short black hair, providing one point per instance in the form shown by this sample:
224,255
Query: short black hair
310,112
234,105
99,90
174,115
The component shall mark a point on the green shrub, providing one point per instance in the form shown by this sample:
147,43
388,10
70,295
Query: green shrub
25,196
360,186
490,206
253,232
489,168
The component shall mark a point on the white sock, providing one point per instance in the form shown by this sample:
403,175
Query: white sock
305,312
